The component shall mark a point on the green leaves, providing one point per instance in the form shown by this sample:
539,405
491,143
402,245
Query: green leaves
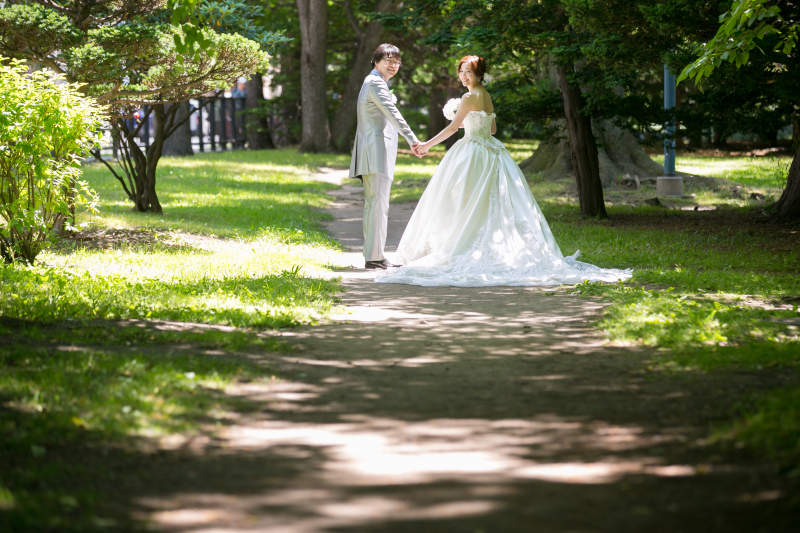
140,52
748,21
45,127
223,16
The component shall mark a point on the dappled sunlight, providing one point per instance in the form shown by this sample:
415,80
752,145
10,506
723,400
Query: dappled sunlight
378,451
166,382
368,471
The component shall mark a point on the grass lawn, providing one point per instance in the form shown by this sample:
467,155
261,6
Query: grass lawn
764,172
712,291
122,339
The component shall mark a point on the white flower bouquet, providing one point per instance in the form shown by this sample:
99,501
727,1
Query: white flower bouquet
451,108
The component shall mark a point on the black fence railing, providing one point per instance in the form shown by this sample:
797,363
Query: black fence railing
217,126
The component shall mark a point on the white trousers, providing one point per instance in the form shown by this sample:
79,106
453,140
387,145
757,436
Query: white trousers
376,214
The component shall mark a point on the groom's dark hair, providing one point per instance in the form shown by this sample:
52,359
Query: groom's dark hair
385,50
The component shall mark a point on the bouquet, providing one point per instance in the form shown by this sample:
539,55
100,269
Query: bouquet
451,108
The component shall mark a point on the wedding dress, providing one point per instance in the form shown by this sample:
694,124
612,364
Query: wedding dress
478,224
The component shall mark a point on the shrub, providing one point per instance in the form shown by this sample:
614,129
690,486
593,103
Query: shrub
46,126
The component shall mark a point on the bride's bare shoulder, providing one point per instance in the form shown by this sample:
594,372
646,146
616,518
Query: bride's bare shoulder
479,100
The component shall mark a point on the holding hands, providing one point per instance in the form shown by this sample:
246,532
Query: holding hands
420,149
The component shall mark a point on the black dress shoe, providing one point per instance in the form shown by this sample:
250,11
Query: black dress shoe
383,264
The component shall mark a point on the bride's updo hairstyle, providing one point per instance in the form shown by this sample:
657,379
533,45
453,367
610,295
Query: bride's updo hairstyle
477,64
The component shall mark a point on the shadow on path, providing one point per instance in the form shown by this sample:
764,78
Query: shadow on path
471,410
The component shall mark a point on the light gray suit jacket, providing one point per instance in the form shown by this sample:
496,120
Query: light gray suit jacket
379,121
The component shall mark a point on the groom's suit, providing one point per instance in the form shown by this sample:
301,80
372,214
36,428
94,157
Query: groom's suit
374,156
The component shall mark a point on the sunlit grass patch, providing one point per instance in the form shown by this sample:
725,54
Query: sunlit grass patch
232,194
705,331
239,243
767,172
245,284
117,393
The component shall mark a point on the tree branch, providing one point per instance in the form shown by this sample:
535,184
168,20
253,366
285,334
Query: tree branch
98,157
175,126
348,9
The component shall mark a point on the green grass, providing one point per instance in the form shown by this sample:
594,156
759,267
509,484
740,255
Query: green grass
239,243
769,427
707,298
227,194
760,172
70,415
88,364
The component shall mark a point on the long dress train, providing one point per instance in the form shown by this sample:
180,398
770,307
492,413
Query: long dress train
478,224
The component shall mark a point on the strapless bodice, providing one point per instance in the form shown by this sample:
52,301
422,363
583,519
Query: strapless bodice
478,128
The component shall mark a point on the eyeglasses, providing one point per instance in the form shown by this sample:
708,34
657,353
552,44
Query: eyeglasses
391,63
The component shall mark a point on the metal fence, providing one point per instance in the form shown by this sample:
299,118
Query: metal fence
215,127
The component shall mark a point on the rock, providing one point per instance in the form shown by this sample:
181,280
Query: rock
619,154
630,182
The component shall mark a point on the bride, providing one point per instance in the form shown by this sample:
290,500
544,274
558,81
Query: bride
478,224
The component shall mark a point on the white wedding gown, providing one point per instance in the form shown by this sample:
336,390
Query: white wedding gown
478,225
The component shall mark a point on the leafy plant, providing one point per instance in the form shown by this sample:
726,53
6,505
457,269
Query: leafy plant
45,128
747,22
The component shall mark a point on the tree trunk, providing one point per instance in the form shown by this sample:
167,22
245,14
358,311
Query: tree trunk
582,148
165,118
256,127
795,133
344,121
313,41
788,205
436,119
180,142
720,139
284,123
139,167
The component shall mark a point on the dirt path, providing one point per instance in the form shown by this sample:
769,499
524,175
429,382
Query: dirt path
471,410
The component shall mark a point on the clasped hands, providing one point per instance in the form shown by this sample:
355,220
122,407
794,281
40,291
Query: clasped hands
419,149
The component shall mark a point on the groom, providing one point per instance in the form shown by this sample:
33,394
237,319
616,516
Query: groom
375,150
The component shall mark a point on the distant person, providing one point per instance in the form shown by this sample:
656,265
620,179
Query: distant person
239,89
375,150
477,223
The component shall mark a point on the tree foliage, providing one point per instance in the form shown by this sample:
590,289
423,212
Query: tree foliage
127,54
749,92
741,29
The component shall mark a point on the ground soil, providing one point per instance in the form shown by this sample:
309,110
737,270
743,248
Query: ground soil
476,410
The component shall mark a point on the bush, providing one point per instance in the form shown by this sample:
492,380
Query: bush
46,126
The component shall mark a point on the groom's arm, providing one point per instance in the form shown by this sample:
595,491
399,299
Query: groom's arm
380,95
